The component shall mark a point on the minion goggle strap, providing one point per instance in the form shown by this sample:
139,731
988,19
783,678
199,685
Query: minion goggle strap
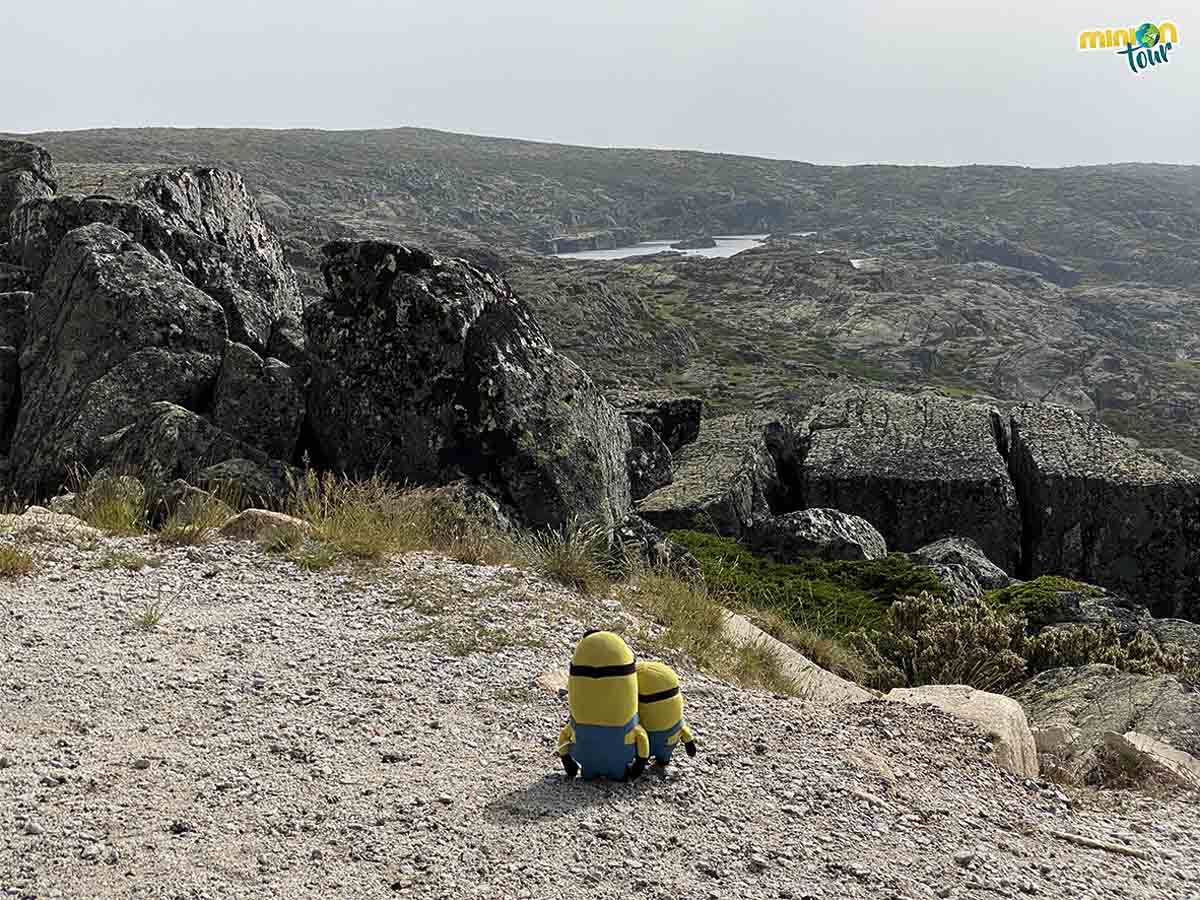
661,695
602,671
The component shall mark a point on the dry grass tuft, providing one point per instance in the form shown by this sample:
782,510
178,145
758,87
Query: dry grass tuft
14,561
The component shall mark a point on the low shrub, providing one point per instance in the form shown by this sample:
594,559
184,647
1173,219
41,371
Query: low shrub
14,561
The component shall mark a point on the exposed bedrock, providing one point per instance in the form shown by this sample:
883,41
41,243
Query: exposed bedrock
918,467
739,468
1097,509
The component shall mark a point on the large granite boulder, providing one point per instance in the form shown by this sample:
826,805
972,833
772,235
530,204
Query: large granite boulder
1072,710
26,173
201,222
648,459
428,370
168,442
13,308
111,331
1097,509
259,402
917,467
741,467
826,533
962,551
674,418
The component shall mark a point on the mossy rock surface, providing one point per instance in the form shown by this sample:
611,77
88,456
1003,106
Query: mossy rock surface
834,597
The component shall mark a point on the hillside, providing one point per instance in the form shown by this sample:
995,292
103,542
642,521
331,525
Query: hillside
236,726
1133,221
1074,286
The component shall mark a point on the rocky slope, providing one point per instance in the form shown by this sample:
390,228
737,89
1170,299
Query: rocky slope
383,733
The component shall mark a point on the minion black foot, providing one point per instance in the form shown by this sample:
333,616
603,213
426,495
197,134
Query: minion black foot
570,767
635,769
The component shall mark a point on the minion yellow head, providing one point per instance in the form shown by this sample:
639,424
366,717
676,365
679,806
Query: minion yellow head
602,686
660,704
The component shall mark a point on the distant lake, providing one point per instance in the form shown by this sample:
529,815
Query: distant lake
727,245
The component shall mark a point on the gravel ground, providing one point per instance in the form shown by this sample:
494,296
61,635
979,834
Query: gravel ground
382,733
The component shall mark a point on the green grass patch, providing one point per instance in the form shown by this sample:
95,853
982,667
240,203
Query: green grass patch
14,561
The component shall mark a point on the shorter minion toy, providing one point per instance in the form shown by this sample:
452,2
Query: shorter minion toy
660,710
603,737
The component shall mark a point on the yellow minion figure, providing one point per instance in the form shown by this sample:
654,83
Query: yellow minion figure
660,709
602,736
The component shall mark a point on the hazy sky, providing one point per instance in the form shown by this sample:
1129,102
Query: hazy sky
845,81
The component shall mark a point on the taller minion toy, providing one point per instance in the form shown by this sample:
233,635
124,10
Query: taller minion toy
603,737
660,711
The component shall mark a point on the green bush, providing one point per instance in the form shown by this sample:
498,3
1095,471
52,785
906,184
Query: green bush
1039,600
833,597
930,641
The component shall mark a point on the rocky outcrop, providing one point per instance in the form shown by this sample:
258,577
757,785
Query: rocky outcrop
12,338
429,369
675,418
259,402
1000,718
201,222
646,543
739,468
1154,759
825,533
112,330
959,581
648,459
1091,700
960,551
26,173
1096,509
968,245
168,442
917,467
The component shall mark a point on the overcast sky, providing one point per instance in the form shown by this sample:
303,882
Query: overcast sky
846,81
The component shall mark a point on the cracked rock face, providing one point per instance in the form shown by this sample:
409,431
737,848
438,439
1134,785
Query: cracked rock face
917,467
674,418
111,331
427,370
202,223
13,307
26,173
259,401
1097,509
649,459
737,470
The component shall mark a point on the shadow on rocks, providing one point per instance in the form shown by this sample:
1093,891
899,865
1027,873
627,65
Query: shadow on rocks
553,796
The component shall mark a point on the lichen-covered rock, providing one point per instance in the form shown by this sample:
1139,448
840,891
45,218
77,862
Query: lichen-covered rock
1001,718
202,222
825,533
13,307
1098,510
674,418
655,549
250,524
428,370
169,442
962,551
287,344
959,581
649,460
259,401
1096,699
26,173
917,467
738,469
111,331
